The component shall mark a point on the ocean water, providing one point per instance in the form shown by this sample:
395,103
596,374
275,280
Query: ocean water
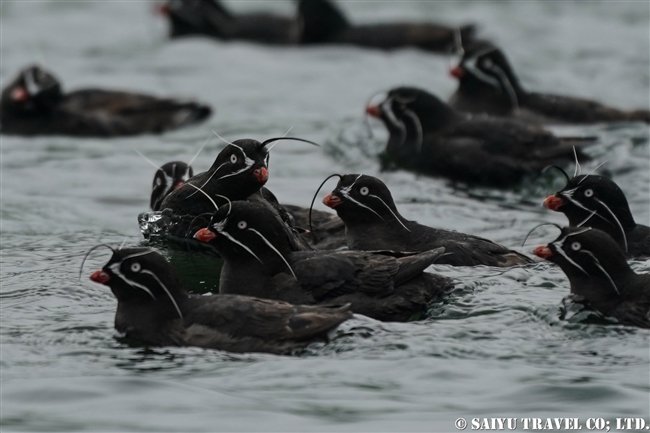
503,344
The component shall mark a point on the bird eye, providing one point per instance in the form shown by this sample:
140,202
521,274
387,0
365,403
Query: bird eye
233,158
575,246
135,267
364,190
589,192
242,225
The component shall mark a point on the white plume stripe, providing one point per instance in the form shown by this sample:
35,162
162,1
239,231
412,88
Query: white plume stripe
558,248
166,291
593,171
597,263
268,149
205,194
274,249
235,241
458,42
390,210
386,108
569,192
471,64
348,197
209,179
169,182
115,268
620,226
30,83
153,164
559,244
578,169
585,230
222,139
418,128
248,162
200,149
577,203
142,253
220,225
507,85
586,219
345,192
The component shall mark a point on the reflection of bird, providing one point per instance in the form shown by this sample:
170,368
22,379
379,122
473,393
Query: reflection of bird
488,84
34,104
598,202
259,261
598,273
428,136
154,308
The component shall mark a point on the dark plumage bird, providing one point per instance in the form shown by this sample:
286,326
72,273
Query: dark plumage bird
259,261
212,18
372,222
168,177
239,171
324,23
34,104
599,273
488,84
599,202
154,308
428,136
327,231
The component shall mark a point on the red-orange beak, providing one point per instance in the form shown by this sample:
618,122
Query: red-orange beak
204,235
177,184
331,200
261,174
373,110
457,72
19,94
100,277
543,252
553,202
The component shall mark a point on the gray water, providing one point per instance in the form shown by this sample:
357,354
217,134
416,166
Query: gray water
502,345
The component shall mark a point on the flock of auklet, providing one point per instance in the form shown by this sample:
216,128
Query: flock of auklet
290,274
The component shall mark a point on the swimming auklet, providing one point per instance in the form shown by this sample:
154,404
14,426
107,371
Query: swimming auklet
372,222
488,84
324,23
168,178
428,136
259,261
34,104
600,275
155,309
239,170
599,202
244,180
212,18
